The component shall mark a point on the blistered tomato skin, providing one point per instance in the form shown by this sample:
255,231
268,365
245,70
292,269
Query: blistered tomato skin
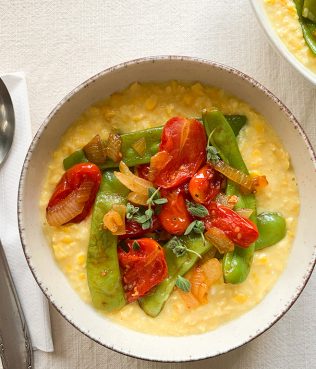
134,229
143,266
143,171
71,180
181,152
174,216
205,185
240,230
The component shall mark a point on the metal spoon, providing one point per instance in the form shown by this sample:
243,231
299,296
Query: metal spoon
7,122
15,344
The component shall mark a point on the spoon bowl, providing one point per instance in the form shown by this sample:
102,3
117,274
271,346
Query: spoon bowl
7,122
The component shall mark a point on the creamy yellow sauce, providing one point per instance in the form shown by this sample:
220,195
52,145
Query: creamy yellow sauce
284,19
148,105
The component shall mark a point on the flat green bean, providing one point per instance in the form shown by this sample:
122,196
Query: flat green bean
236,264
153,302
308,26
103,270
272,229
309,10
152,137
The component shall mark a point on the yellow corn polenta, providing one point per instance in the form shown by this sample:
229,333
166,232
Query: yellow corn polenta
146,105
284,19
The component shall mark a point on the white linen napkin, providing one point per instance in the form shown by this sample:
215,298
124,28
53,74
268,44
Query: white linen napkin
33,301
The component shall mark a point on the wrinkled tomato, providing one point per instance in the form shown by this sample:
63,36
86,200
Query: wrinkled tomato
181,152
205,184
143,171
143,266
174,216
72,180
134,229
240,230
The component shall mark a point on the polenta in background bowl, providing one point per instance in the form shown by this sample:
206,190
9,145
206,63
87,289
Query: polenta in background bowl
147,93
288,33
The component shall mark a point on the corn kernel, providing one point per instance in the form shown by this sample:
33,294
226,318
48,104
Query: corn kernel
197,88
263,260
151,102
81,259
255,278
82,276
108,113
255,173
240,298
67,239
188,99
138,117
170,108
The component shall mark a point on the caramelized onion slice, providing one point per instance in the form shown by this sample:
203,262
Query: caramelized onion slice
245,180
213,271
95,151
114,220
229,201
113,147
219,240
201,278
137,198
131,181
69,207
244,212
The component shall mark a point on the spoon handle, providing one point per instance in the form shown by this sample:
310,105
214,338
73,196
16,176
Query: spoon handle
15,344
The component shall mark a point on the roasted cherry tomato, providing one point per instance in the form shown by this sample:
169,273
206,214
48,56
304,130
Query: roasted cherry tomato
71,181
134,229
143,266
143,171
174,216
240,230
205,184
181,152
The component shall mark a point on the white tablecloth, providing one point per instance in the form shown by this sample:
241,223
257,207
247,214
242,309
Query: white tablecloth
59,44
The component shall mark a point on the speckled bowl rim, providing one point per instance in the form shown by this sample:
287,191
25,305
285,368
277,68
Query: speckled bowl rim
153,59
278,44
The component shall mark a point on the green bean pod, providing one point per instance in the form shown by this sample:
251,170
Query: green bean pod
236,264
152,138
272,229
309,10
153,302
103,270
308,26
75,158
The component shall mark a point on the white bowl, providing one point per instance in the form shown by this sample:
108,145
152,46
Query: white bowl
54,283
276,42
